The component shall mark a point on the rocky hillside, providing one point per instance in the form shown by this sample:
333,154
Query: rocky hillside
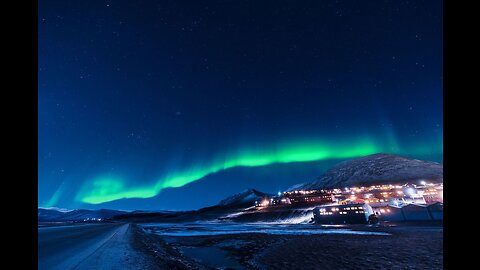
247,196
377,168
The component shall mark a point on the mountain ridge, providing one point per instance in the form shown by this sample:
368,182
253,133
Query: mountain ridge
247,196
375,169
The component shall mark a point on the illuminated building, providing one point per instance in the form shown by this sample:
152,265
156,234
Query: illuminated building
343,214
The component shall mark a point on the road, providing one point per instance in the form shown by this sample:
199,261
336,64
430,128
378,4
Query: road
93,246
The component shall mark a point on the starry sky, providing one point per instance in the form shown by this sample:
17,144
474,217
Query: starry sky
177,104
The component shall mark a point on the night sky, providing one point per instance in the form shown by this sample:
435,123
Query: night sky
178,104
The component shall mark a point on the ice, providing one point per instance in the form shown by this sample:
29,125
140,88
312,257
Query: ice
209,229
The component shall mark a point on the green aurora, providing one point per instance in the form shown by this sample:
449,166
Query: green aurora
105,189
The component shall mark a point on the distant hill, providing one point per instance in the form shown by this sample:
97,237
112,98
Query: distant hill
248,196
240,200
375,169
53,214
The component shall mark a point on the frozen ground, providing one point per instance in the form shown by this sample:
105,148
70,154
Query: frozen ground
305,246
224,228
227,245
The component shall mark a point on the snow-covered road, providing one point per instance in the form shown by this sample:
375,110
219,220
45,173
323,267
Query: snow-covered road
96,246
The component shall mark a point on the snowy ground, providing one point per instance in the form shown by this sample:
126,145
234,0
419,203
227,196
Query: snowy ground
96,246
225,228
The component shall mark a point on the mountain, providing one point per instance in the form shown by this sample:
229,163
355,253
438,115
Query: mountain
376,169
52,214
248,196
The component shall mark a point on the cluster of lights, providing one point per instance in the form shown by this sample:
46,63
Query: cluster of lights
303,192
263,203
354,208
369,195
372,200
92,219
357,209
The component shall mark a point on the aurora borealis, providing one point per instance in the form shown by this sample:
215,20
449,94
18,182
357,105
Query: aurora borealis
105,189
162,105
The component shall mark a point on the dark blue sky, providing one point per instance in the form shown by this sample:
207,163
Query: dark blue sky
138,97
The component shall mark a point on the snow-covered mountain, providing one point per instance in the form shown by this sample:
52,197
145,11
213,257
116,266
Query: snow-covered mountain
53,214
376,168
244,197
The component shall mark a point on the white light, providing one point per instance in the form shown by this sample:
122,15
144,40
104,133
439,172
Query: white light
279,193
423,183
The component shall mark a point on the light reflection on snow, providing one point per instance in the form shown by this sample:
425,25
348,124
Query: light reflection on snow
209,229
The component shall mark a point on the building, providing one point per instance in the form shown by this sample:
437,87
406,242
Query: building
310,197
415,212
389,213
432,195
436,211
280,200
342,214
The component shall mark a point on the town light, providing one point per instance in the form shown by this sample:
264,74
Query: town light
423,183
